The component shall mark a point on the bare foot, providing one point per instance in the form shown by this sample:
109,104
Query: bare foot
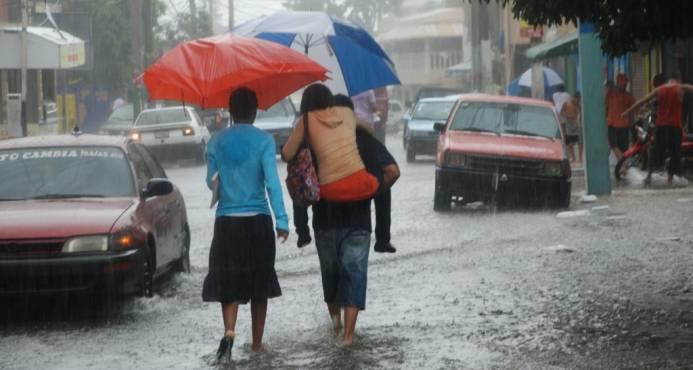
347,341
257,348
336,324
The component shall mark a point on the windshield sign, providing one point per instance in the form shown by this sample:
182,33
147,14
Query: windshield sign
501,118
65,172
433,111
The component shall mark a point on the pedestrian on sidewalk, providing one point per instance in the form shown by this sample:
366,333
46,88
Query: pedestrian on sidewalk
242,255
617,101
668,124
571,114
382,111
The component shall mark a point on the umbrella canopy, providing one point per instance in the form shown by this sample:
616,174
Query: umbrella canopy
205,71
551,78
355,60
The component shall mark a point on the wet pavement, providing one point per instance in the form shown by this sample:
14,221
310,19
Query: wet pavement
607,284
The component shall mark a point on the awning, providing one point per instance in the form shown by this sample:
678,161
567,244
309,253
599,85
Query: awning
562,46
423,31
47,48
460,68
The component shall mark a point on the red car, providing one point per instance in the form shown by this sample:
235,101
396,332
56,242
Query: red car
493,148
87,213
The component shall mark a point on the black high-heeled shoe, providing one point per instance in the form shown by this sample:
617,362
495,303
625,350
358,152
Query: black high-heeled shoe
224,351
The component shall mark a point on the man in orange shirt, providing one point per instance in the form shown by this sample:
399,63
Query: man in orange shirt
617,101
669,98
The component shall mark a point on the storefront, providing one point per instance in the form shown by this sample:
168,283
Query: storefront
49,51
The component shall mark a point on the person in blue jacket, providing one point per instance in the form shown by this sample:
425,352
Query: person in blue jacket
241,258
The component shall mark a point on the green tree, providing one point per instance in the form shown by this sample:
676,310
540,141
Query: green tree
186,26
366,13
622,25
111,38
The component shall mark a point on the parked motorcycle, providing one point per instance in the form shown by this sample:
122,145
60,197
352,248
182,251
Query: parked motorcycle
638,154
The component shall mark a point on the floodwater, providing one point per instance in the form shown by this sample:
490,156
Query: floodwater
605,285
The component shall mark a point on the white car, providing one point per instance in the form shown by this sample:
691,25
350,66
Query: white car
172,133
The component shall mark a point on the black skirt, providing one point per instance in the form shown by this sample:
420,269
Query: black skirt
241,261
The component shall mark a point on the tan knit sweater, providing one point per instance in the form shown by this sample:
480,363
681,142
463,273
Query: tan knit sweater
332,136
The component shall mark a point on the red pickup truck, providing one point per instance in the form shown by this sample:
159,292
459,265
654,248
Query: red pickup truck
495,147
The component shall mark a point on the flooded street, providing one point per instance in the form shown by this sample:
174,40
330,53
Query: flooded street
605,285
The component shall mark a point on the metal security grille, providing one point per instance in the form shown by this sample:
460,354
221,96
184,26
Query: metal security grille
506,166
20,249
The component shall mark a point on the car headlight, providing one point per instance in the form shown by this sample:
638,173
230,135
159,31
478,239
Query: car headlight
188,131
135,136
97,243
554,169
455,160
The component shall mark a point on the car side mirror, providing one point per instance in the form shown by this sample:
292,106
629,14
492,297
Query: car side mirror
157,187
439,127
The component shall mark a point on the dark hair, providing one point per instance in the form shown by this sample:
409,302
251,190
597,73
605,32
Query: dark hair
243,105
315,97
560,88
341,100
658,80
577,95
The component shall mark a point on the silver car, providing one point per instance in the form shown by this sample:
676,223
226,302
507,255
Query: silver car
172,133
278,120
419,135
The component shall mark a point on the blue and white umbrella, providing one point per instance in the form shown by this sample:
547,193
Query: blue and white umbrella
356,62
551,78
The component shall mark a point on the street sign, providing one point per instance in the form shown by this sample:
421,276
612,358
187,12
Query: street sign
14,115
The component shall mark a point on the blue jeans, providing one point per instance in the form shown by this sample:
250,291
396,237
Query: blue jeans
343,257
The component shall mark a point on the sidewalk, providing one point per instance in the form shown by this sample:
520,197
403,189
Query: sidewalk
633,184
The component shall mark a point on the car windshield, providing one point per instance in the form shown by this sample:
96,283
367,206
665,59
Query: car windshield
502,118
280,110
65,172
395,107
434,111
124,113
162,116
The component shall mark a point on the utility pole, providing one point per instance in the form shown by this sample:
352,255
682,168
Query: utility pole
137,50
212,14
509,53
476,47
24,60
148,33
231,15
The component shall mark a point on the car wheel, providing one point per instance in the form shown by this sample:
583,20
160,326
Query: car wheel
183,263
564,195
441,200
404,139
147,282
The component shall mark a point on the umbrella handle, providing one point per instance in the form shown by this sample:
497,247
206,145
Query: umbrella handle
182,99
